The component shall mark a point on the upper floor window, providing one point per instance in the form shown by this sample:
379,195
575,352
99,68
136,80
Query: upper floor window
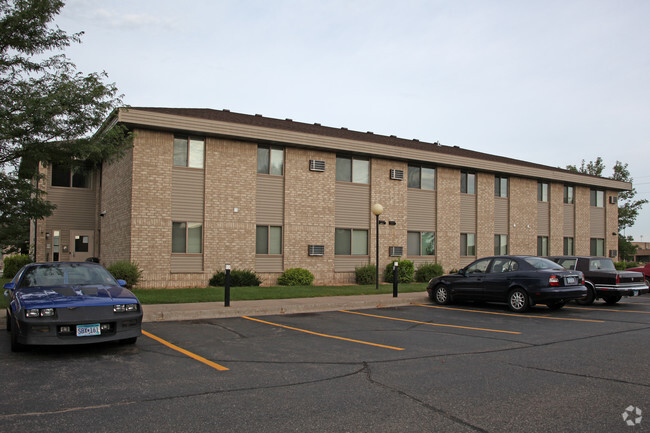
352,170
467,182
187,237
500,186
422,177
75,176
597,198
569,194
270,160
542,191
188,152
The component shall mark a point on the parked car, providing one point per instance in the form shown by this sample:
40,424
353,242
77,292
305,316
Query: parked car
602,278
519,281
70,303
645,270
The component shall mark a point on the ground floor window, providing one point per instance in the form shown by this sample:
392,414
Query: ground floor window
467,244
597,247
268,240
421,244
56,244
568,247
187,237
542,245
500,245
351,242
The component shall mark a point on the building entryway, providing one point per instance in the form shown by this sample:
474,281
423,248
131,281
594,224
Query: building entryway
81,245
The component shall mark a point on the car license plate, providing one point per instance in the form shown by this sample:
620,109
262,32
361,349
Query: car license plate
88,330
571,280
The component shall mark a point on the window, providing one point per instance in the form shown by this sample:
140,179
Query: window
187,237
504,265
467,244
597,198
500,245
467,183
81,244
351,242
569,194
270,160
75,176
597,247
568,247
542,191
542,245
352,170
188,152
500,186
268,240
56,243
478,267
422,177
421,244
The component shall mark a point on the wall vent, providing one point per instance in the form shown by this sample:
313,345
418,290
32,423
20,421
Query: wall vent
613,253
316,165
396,174
316,250
613,199
395,251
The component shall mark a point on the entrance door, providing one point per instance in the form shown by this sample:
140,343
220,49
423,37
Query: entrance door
81,245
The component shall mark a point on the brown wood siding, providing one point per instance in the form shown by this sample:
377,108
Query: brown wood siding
270,200
188,194
468,213
421,210
597,222
569,220
543,219
268,264
348,263
186,263
501,211
352,205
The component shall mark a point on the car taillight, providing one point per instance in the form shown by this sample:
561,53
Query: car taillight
554,280
618,279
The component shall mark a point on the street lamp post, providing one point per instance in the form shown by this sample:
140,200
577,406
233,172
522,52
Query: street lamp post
377,210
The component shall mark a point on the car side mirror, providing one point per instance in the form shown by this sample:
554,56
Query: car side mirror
122,283
462,272
10,286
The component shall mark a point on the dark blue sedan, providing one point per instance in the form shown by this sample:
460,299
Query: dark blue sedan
70,303
519,281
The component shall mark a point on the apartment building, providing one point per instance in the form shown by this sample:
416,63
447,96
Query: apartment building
203,188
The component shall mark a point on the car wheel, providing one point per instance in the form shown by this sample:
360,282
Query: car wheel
518,301
441,295
556,305
15,345
589,299
131,340
612,299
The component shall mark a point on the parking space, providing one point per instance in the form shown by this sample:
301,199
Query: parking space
453,368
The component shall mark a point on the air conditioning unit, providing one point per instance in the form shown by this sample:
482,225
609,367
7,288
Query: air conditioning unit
395,251
316,165
613,199
316,250
396,174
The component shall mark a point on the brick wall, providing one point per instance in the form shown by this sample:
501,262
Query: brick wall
485,215
523,216
448,217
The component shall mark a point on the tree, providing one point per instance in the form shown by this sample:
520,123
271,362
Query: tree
626,249
628,208
48,111
594,168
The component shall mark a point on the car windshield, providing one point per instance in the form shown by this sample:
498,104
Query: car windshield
65,274
541,263
599,264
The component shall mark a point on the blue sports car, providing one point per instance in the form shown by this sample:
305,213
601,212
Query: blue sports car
70,303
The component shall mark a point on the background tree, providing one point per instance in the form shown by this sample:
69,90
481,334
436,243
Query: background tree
48,111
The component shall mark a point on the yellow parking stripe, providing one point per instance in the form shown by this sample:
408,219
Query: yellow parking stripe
185,352
429,323
608,309
322,335
508,314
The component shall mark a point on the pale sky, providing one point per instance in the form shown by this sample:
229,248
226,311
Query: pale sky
552,82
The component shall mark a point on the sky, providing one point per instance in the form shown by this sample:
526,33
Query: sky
551,82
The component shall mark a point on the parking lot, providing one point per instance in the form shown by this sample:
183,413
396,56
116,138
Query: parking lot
422,367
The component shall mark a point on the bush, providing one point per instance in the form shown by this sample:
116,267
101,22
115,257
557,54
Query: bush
426,271
365,274
127,271
238,278
621,266
296,277
405,271
12,264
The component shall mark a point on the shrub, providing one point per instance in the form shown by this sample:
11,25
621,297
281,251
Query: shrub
296,277
127,271
621,266
238,278
12,264
365,274
405,271
426,271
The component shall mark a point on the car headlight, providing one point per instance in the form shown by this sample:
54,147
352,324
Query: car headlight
122,308
43,312
32,313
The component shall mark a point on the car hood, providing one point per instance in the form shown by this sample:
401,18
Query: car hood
74,296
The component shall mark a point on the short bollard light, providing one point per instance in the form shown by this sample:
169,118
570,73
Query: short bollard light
226,298
395,278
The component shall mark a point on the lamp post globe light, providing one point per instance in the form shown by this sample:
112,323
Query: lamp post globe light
377,210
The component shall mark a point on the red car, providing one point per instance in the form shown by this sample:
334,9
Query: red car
645,270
